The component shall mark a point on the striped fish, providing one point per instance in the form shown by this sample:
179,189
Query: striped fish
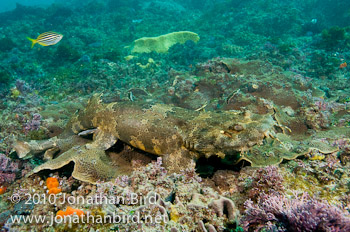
47,39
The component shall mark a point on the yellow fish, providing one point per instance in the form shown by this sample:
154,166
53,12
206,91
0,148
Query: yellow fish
47,39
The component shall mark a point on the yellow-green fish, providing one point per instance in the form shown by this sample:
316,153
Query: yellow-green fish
47,38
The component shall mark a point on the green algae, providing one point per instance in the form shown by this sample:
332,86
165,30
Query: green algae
303,181
65,53
6,44
333,36
5,77
37,134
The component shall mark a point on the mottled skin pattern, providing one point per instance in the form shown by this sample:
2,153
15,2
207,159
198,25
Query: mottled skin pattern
177,134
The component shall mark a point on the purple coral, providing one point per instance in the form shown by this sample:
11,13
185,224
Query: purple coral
7,177
297,214
266,180
190,175
7,165
8,169
322,105
34,124
22,86
153,171
122,181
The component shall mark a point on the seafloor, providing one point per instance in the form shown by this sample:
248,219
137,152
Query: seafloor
263,123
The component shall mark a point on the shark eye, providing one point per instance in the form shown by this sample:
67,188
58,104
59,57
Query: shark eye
236,127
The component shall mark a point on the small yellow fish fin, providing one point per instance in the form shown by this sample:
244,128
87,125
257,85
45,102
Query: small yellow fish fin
34,41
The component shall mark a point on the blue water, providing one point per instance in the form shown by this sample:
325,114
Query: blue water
7,5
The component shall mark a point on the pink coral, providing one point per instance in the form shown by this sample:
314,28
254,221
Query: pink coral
298,214
8,169
266,180
34,124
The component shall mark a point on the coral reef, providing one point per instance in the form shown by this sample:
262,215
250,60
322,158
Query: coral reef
11,169
5,77
34,124
159,194
257,89
6,44
266,180
300,213
332,37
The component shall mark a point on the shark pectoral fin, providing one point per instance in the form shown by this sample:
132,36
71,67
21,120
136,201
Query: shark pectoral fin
178,160
90,165
93,166
22,149
102,140
49,153
27,149
62,160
